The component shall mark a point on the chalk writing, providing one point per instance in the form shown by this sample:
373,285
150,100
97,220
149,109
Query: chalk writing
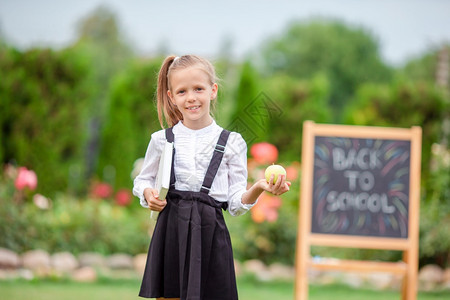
361,187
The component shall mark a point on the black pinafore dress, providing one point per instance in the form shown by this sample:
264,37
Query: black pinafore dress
190,255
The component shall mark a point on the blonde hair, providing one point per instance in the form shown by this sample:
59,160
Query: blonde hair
167,111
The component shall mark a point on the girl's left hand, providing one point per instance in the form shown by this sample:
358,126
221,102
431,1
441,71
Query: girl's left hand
280,187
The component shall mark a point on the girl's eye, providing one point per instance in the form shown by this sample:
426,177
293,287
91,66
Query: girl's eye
199,89
181,92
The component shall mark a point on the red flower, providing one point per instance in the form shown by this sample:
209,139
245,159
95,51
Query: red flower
266,209
26,179
102,190
292,171
123,197
264,153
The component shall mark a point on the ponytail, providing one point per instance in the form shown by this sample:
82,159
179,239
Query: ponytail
166,110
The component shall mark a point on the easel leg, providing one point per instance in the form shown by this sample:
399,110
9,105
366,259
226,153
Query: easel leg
409,288
301,282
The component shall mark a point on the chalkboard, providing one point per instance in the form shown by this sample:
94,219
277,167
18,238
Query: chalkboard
361,187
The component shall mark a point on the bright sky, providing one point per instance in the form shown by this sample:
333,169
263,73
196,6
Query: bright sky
404,28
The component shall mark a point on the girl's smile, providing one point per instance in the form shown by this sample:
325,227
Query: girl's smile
191,91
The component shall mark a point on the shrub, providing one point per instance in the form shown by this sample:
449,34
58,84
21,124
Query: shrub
43,93
70,224
131,119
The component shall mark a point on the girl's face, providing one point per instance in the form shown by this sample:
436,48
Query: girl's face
192,92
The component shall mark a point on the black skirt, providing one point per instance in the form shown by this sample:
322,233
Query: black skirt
190,254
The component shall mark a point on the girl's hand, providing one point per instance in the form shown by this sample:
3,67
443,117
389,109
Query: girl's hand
281,186
152,198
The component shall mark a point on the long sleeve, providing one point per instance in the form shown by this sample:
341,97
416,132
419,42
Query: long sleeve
237,174
147,175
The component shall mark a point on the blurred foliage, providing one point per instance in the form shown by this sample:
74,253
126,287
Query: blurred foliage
131,119
268,241
43,100
84,114
298,100
247,105
403,104
424,67
74,225
108,54
272,240
435,211
348,56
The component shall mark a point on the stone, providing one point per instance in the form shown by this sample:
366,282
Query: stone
329,277
257,268
237,267
84,274
432,273
13,274
64,262
139,262
446,280
254,266
446,275
26,274
91,259
380,281
9,259
7,274
397,282
313,274
120,261
353,280
430,276
280,271
36,260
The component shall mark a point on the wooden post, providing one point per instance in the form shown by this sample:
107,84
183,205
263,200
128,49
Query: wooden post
411,256
303,246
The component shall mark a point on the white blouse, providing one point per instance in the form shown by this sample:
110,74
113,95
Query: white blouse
193,152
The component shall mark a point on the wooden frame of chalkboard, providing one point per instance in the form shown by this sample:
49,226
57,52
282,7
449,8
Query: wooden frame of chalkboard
360,188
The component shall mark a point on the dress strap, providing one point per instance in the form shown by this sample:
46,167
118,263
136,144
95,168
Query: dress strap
216,159
169,135
170,138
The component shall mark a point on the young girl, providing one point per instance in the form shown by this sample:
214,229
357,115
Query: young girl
190,255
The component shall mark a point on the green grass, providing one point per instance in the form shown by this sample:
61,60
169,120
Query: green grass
249,289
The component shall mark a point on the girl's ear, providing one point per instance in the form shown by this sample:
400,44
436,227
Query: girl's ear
214,91
170,97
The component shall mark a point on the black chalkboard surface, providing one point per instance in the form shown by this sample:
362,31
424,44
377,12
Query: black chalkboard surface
361,187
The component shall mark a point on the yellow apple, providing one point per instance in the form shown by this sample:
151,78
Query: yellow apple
276,170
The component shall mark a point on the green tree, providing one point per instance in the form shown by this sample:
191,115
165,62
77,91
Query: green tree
347,55
425,66
100,37
299,100
131,119
402,104
226,72
42,94
249,117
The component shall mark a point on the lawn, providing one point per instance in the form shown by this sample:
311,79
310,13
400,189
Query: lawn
249,289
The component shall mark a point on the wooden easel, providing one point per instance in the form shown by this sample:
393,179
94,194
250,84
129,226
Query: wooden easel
408,267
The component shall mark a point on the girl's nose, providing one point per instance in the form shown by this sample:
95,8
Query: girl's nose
191,96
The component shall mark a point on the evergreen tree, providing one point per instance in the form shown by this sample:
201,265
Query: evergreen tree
348,56
250,116
99,36
43,93
131,119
